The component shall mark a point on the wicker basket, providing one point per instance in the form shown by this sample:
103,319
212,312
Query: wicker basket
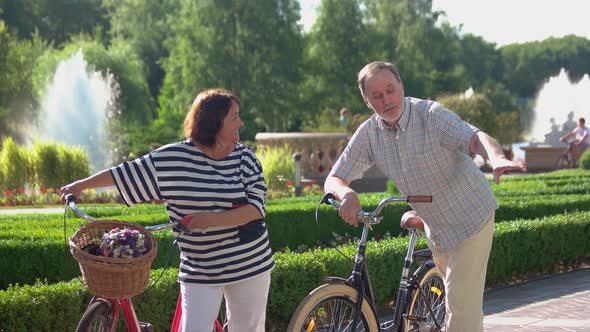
112,278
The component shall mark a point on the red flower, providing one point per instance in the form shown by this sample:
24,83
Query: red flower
8,192
377,236
21,190
289,183
43,190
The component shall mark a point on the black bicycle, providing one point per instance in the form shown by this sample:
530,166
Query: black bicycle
348,305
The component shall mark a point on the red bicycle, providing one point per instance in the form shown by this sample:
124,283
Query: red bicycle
102,314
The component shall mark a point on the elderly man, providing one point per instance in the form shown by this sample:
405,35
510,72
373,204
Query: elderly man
424,149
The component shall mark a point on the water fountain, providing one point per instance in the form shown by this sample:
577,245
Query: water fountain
76,107
557,108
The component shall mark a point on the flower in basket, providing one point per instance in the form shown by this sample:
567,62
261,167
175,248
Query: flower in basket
123,243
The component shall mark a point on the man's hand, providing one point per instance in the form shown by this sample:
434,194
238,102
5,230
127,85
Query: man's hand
410,219
350,208
502,165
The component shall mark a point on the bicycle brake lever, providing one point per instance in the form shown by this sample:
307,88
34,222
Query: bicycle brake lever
324,200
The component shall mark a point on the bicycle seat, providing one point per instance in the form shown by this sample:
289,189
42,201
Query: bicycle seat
424,254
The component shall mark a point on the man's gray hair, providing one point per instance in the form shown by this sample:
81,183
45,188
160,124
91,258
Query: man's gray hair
372,68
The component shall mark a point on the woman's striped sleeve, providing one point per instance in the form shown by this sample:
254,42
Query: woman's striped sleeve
136,180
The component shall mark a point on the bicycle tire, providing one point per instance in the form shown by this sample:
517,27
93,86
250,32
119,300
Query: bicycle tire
303,318
97,317
432,285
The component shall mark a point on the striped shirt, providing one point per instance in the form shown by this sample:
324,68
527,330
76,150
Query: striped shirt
426,154
189,181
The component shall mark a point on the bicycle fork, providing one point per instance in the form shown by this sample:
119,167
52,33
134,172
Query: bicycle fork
128,313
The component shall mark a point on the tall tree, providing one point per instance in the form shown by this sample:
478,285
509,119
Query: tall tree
56,20
481,59
528,65
143,25
336,50
251,47
425,48
17,59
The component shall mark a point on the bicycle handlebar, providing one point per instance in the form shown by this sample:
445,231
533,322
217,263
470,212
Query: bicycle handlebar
373,218
71,201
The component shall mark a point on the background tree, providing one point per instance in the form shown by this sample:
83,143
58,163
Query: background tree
17,59
529,65
335,51
250,47
481,60
425,49
56,20
143,25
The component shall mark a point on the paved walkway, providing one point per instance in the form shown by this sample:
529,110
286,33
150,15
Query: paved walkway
32,210
554,303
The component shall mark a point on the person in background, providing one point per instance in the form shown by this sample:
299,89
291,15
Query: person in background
577,146
425,149
344,118
215,187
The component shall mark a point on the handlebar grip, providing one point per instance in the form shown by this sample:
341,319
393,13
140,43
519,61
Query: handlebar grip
419,199
70,198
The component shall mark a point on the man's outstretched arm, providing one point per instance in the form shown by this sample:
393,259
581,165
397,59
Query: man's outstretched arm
487,147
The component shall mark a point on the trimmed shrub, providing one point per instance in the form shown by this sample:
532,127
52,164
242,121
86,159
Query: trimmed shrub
585,160
46,164
13,165
73,164
278,165
519,247
57,164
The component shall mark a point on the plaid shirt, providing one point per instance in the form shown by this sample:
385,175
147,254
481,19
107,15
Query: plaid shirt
426,154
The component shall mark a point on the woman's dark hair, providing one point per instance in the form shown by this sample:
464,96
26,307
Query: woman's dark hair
205,117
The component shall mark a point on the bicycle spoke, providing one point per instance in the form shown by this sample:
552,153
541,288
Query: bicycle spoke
333,315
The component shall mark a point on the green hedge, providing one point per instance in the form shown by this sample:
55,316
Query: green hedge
43,165
520,247
33,246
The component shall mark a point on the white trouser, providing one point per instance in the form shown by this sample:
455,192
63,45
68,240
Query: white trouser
464,270
245,305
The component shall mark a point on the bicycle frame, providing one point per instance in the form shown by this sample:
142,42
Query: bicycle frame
360,279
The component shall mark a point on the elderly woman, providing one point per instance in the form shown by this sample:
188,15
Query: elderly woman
215,187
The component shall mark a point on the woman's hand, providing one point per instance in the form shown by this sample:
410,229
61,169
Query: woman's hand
201,220
74,188
350,208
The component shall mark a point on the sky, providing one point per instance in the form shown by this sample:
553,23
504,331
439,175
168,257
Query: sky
503,21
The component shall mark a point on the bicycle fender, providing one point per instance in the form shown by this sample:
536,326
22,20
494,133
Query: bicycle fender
338,280
427,265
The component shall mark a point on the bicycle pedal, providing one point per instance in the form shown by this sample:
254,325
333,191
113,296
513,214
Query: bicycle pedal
146,327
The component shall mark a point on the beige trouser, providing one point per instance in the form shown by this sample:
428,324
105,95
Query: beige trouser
464,270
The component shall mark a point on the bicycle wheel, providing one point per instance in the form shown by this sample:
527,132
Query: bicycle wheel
562,162
433,289
330,308
220,324
97,317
